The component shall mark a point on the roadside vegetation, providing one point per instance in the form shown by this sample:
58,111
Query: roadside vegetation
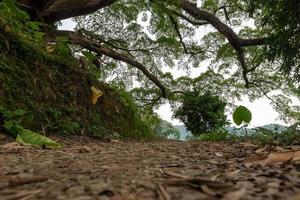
81,82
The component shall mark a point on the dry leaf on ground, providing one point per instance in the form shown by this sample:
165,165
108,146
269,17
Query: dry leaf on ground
274,158
235,195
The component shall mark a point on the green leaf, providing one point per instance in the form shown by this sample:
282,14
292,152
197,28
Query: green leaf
210,4
28,137
31,138
9,124
242,114
19,112
90,56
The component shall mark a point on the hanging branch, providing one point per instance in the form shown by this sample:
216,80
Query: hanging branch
79,39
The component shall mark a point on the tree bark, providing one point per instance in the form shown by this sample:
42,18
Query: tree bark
51,11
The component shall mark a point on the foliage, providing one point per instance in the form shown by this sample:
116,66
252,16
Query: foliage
160,39
216,136
287,136
29,138
201,112
165,129
52,88
280,20
12,122
57,75
242,114
161,128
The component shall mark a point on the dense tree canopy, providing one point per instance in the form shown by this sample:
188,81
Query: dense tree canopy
242,46
202,113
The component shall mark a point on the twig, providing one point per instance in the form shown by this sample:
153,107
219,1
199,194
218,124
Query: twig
16,181
198,181
31,195
164,195
196,23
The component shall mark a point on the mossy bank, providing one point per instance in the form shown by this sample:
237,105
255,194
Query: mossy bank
53,92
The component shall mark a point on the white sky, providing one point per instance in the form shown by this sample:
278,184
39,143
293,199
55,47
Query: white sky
262,111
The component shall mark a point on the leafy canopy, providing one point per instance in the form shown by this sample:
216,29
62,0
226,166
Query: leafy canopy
236,47
202,113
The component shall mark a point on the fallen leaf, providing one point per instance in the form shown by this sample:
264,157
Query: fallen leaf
218,154
235,195
233,173
273,184
274,158
261,151
295,197
100,188
248,144
85,149
207,190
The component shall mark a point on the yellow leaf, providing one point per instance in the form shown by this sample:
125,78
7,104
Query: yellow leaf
7,28
96,93
50,48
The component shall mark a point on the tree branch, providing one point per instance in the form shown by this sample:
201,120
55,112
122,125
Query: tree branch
195,23
78,39
176,28
101,40
234,40
63,9
225,30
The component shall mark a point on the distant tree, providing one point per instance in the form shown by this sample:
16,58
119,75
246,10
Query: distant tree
202,113
166,130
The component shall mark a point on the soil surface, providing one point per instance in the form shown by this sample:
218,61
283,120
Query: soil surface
85,168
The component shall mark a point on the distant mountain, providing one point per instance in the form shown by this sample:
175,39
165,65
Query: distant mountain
234,130
274,127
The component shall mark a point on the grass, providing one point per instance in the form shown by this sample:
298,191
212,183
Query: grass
262,136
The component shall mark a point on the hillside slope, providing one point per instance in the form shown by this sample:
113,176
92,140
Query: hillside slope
50,92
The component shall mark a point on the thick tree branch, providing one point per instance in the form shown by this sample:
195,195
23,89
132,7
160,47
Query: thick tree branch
56,10
235,41
225,30
253,42
78,39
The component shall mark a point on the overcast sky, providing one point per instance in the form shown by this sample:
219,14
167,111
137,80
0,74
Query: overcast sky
262,111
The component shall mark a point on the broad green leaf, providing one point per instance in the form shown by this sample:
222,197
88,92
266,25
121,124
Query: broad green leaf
28,137
31,138
242,114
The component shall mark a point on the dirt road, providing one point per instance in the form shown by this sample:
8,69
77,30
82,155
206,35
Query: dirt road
87,169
